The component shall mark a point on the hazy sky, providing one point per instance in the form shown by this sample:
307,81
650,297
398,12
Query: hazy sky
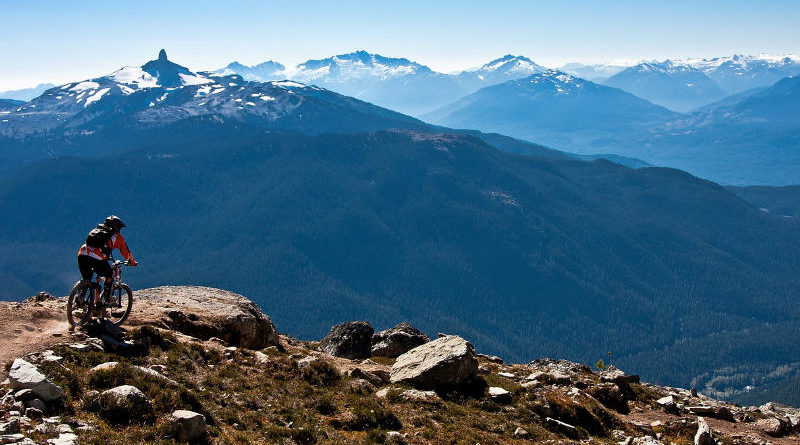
61,41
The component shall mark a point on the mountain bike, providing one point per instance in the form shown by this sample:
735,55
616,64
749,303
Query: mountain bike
85,301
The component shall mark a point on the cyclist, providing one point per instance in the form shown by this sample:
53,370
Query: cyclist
95,259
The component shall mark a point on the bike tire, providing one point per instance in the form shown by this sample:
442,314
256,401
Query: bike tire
73,307
125,294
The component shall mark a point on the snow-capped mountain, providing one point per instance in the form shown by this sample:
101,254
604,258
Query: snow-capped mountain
508,67
676,86
594,72
161,91
263,72
395,83
553,107
739,72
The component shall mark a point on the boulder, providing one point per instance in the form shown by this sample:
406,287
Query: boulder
397,340
125,404
772,426
703,435
205,312
189,426
352,340
445,362
24,375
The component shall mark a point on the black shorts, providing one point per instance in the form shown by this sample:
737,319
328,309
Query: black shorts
89,265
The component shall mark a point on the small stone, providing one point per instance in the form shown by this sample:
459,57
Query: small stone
10,427
188,425
500,395
79,346
507,375
521,432
693,392
491,358
34,413
395,438
64,439
11,438
159,368
23,395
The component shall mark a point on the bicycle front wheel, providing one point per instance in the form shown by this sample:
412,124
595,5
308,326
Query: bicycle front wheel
79,304
121,303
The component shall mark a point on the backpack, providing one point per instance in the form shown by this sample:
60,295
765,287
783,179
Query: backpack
99,237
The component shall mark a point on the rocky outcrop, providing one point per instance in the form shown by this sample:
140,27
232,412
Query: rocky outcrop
398,340
205,312
124,404
352,340
24,375
703,435
445,362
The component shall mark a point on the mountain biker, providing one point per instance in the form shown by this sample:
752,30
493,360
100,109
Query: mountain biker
95,259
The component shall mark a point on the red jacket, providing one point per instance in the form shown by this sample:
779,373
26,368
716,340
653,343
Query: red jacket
117,241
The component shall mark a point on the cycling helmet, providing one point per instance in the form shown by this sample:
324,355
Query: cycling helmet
114,222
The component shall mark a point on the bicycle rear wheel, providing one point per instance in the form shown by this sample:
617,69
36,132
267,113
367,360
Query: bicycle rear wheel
79,304
120,305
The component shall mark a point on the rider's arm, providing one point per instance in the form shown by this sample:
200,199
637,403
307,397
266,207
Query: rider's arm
119,243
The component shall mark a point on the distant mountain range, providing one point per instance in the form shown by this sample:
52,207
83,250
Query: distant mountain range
751,137
705,142
26,94
677,87
555,108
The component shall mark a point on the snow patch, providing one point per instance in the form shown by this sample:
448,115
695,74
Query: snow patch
95,97
86,85
194,79
134,76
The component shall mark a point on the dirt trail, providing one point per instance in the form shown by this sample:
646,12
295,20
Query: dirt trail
30,327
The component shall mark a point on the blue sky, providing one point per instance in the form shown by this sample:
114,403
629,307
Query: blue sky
58,41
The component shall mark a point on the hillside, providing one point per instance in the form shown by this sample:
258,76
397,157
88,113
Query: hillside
578,257
185,370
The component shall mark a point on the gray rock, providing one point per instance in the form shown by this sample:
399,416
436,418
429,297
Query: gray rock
11,438
397,340
612,374
189,426
36,404
395,438
772,426
491,358
646,440
125,404
205,312
23,395
64,439
521,432
10,427
24,375
417,396
358,373
352,340
703,435
500,395
445,362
